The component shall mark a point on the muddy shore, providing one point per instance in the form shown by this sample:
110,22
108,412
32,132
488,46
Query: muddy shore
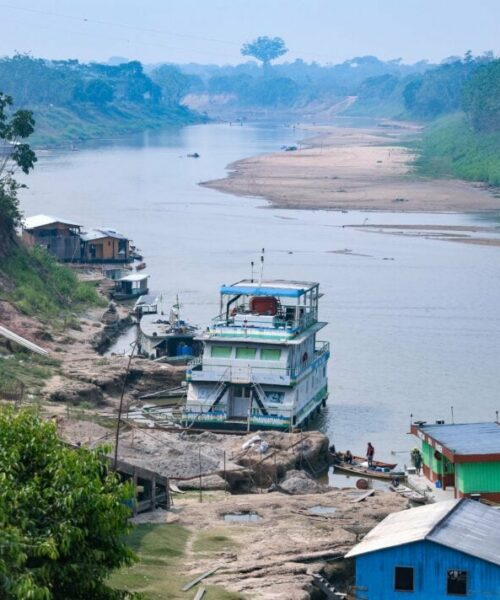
353,169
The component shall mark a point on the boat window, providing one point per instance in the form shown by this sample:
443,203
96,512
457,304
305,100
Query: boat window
221,351
276,397
403,579
456,583
248,353
270,354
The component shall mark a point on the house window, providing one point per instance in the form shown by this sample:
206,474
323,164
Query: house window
456,583
220,351
248,353
403,579
270,354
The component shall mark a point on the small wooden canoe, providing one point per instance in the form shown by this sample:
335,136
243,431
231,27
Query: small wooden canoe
355,468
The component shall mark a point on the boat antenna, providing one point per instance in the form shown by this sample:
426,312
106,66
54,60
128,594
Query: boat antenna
251,267
452,416
261,266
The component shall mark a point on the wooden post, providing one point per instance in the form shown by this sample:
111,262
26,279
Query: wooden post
153,493
225,484
134,480
199,459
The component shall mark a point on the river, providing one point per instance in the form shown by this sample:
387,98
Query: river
414,324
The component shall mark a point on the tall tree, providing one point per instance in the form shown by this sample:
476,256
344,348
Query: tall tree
14,154
62,515
265,49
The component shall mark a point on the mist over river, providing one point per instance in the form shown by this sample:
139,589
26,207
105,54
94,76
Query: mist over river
414,324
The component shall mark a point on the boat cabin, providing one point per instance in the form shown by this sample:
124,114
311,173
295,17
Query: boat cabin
163,334
131,286
261,365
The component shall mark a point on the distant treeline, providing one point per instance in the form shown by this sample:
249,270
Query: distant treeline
74,101
286,85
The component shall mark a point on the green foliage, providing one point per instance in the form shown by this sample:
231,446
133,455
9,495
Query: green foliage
74,101
174,83
265,49
450,147
43,287
14,154
481,98
62,515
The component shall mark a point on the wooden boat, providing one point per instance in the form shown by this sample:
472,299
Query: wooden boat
410,494
380,470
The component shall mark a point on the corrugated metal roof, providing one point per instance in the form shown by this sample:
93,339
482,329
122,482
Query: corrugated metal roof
466,438
134,277
97,234
43,220
464,525
472,528
269,287
404,527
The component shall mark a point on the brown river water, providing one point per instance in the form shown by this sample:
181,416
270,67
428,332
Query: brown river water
414,324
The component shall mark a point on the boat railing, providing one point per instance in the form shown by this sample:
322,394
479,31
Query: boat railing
320,349
252,321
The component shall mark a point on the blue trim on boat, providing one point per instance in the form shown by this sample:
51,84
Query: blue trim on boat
261,291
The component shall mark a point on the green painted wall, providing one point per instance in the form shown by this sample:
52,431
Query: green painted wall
478,477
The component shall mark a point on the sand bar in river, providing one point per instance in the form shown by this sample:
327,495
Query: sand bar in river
353,169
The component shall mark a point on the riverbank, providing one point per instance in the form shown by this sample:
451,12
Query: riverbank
353,169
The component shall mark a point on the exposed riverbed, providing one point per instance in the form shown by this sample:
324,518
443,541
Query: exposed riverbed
413,322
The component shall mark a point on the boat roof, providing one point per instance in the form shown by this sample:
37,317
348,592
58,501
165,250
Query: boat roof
147,299
269,287
43,220
97,234
465,438
134,277
464,525
159,326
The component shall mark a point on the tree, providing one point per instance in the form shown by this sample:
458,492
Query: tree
481,98
14,154
62,515
265,49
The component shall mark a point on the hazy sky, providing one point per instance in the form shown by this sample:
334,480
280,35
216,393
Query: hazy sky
212,31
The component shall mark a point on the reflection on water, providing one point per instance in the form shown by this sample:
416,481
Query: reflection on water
416,334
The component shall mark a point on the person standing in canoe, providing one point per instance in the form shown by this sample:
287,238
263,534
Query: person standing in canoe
370,452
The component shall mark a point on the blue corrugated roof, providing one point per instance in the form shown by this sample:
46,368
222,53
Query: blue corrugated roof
466,438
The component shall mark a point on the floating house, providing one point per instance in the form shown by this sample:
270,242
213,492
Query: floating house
434,552
104,245
58,236
463,456
262,366
131,286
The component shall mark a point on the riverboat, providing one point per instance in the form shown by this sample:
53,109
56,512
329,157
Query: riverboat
164,335
130,287
359,466
262,366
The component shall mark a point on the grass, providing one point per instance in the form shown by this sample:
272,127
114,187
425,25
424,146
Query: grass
59,125
450,148
29,369
160,572
43,288
211,541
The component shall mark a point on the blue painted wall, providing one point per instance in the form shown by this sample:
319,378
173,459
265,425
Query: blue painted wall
375,572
